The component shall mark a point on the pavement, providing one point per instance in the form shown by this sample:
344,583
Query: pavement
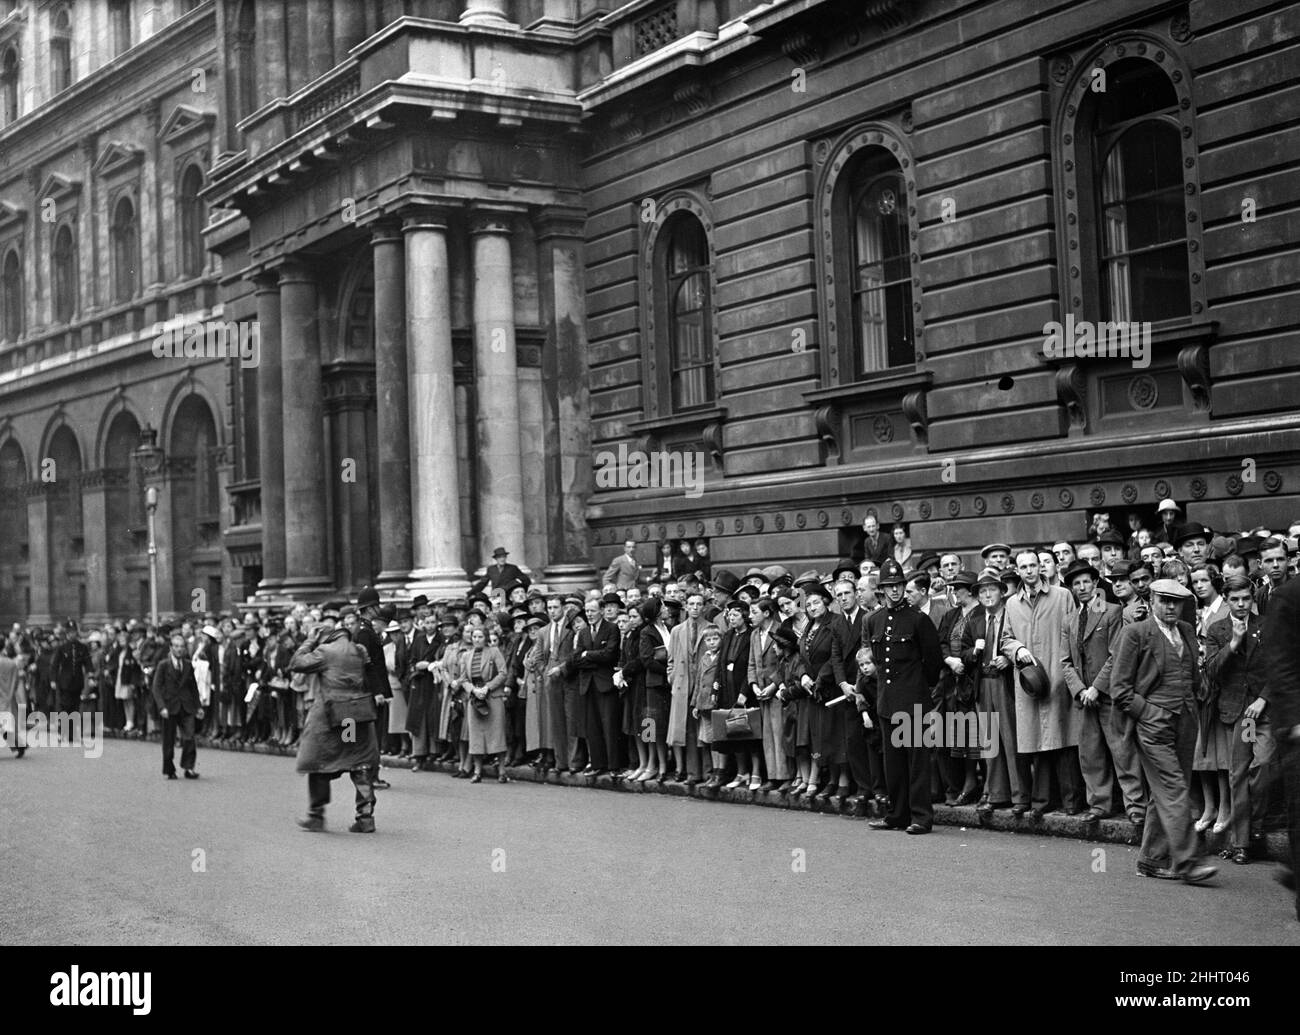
105,851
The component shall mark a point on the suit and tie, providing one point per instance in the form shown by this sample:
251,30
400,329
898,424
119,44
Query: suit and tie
1282,663
1153,677
175,690
1108,738
598,649
1240,677
877,550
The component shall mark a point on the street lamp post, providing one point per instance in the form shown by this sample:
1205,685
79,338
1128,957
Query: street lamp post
151,505
149,462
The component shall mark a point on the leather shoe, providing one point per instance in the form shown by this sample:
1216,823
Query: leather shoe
1240,856
854,800
713,783
381,785
589,771
883,824
1200,873
1019,810
190,774
967,798
916,828
312,824
1036,814
1158,872
362,826
170,776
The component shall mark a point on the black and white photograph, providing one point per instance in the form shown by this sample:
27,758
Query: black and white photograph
666,474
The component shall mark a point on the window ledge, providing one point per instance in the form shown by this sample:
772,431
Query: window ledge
677,421
889,384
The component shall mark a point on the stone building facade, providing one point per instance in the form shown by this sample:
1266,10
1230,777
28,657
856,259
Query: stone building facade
107,120
491,244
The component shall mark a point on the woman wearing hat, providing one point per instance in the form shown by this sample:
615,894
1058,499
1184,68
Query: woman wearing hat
957,687
703,699
532,686
452,715
822,654
483,678
764,660
425,686
395,649
733,692
125,676
273,676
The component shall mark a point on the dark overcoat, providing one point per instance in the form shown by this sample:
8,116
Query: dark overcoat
341,665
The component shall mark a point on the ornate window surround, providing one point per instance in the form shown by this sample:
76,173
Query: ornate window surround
656,410
1071,74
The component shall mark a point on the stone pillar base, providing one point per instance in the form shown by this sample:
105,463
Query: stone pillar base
92,618
435,583
569,578
392,585
307,589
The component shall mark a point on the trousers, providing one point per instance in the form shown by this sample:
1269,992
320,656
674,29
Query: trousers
907,775
189,748
318,792
603,712
1165,745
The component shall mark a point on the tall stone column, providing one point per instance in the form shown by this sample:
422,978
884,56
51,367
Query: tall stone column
439,570
272,56
393,409
296,43
38,551
500,483
485,12
306,538
561,297
349,27
320,38
95,526
270,432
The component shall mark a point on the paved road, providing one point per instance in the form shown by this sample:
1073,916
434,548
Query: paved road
105,851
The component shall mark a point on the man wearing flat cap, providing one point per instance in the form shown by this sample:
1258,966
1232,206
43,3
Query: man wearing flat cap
905,649
501,574
996,555
1154,675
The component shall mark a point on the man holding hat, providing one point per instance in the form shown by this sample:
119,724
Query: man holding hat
500,574
1047,727
1107,733
1154,675
905,648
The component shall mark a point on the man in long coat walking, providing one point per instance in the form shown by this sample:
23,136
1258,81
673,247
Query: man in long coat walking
1049,728
339,736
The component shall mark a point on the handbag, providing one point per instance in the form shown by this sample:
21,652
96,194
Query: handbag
737,724
356,709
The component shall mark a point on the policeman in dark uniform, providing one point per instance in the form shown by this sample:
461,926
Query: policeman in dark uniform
905,648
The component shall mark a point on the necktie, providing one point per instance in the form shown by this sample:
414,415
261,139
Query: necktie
690,634
1083,626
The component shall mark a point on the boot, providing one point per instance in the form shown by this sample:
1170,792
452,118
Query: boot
363,825
316,824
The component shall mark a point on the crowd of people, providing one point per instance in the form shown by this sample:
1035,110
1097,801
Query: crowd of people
1119,675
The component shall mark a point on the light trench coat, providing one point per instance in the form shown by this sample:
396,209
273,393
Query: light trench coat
1042,623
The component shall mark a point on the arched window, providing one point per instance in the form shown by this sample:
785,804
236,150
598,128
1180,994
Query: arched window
193,215
1138,193
11,297
126,251
119,25
685,279
1128,188
65,274
9,86
880,268
61,51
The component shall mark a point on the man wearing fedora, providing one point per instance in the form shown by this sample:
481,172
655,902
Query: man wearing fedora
905,649
1107,737
1154,675
1192,541
376,676
501,574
